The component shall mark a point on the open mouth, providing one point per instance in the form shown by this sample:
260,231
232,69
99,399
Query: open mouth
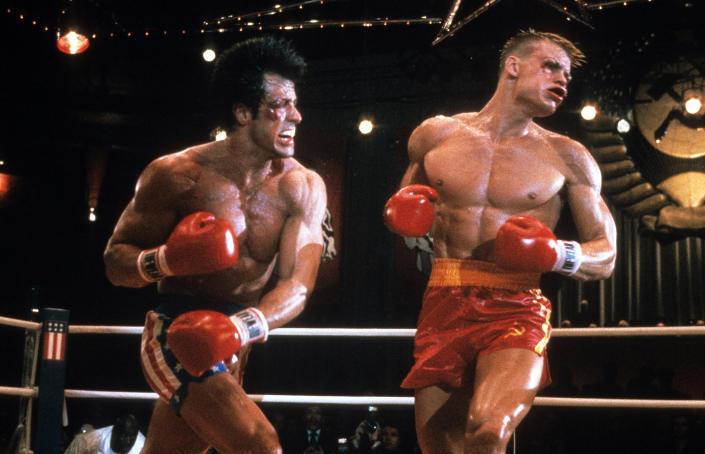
287,136
559,92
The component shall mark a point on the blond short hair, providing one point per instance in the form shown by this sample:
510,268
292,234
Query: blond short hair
521,44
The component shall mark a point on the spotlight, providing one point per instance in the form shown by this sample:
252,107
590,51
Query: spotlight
692,101
365,126
623,126
588,112
72,43
209,55
91,214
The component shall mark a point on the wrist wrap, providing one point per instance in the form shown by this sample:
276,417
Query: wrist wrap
151,264
251,325
570,256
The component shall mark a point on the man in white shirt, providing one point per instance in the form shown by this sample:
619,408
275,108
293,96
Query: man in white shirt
122,438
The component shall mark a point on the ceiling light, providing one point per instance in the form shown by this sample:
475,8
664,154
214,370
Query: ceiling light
209,55
623,126
588,112
365,126
72,43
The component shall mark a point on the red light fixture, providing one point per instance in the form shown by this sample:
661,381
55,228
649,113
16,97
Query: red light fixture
4,183
72,43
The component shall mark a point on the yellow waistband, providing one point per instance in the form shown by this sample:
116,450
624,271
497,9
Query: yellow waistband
459,272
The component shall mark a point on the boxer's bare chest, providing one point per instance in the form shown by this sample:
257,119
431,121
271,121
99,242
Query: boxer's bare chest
255,210
468,170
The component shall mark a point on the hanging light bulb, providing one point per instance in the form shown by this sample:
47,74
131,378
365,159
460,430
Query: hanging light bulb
209,55
365,126
623,126
72,43
588,112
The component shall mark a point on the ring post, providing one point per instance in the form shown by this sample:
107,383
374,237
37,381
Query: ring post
52,378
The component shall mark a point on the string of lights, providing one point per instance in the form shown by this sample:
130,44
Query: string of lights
602,5
216,27
276,9
315,23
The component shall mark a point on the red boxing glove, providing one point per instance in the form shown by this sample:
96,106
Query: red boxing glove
409,212
199,244
524,243
201,339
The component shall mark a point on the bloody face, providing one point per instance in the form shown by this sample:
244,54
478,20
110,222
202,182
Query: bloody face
274,126
543,78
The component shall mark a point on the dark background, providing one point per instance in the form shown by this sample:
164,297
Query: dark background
76,127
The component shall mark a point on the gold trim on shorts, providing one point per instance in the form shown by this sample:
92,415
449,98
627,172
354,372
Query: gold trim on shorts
460,272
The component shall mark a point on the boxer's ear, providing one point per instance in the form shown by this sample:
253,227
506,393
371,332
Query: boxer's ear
242,114
511,65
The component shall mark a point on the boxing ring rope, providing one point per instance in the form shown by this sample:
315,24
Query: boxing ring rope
577,402
33,391
409,332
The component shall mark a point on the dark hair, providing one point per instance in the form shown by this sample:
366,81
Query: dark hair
124,434
126,422
521,43
238,76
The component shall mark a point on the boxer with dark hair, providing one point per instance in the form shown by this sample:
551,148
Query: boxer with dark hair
491,185
231,233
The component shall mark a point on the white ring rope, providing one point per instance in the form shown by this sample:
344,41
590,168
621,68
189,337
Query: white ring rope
14,391
381,400
376,400
19,323
391,332
409,332
96,329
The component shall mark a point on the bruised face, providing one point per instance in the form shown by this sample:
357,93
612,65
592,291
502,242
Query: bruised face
274,126
542,78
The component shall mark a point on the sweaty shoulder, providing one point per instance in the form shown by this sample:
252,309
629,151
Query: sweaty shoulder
582,167
429,134
300,187
168,176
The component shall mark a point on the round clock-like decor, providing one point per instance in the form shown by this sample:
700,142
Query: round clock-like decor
657,171
660,114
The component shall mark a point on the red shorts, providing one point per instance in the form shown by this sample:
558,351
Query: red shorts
471,308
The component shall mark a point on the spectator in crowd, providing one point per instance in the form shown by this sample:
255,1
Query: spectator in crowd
312,437
367,433
391,440
123,437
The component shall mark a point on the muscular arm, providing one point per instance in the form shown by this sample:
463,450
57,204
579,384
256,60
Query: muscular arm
426,136
146,221
596,228
300,247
